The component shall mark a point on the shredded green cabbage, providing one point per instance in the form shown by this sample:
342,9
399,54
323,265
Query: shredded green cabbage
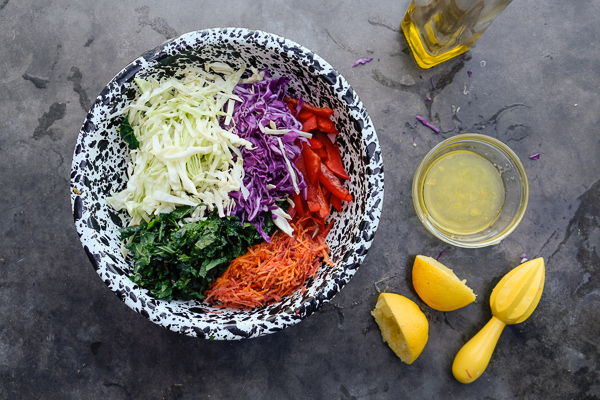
184,157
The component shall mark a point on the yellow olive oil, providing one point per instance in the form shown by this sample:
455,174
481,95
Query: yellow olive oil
437,30
463,192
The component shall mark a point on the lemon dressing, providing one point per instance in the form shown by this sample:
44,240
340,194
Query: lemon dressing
463,191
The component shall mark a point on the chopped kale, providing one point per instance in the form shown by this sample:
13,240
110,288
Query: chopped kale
178,260
126,132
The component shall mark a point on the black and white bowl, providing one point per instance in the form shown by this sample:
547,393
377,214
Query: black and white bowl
100,161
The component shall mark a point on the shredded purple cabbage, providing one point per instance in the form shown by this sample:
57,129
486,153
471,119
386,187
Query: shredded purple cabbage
432,84
534,156
442,253
265,164
427,124
299,107
470,72
362,61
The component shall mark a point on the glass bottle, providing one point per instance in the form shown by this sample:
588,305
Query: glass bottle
437,30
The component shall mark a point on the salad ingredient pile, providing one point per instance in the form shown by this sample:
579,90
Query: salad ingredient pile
321,162
270,271
183,156
264,120
175,260
217,159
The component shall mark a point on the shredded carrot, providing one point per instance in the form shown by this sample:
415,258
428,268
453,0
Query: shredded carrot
270,271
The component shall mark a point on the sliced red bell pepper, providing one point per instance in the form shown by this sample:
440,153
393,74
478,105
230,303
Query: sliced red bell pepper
319,221
332,182
327,125
326,192
321,152
326,229
323,112
304,116
311,190
310,124
336,202
315,144
323,204
312,162
334,158
299,204
301,164
312,197
292,212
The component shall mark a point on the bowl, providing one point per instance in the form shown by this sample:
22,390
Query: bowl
505,168
100,161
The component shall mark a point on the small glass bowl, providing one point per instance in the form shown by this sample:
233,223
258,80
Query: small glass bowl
514,178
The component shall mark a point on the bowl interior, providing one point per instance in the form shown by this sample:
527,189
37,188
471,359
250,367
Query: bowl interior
513,176
100,162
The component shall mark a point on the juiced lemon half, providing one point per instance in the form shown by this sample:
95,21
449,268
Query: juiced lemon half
403,325
438,286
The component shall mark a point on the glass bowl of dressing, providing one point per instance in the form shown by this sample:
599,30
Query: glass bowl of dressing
470,190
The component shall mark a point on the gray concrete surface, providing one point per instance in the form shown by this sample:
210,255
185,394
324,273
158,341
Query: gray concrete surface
535,85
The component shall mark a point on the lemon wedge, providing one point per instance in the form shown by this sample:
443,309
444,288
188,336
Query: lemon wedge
438,286
403,325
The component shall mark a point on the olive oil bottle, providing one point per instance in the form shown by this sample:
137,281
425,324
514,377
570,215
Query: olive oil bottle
438,30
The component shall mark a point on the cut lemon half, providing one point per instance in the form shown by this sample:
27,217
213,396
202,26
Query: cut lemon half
438,286
403,325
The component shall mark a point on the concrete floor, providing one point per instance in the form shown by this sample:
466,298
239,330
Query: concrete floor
534,86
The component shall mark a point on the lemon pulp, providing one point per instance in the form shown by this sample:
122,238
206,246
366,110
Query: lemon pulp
463,192
403,325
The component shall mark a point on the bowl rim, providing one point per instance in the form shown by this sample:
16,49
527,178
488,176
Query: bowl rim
369,150
506,151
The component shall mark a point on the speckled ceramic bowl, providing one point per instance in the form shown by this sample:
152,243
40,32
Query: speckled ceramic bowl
99,169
